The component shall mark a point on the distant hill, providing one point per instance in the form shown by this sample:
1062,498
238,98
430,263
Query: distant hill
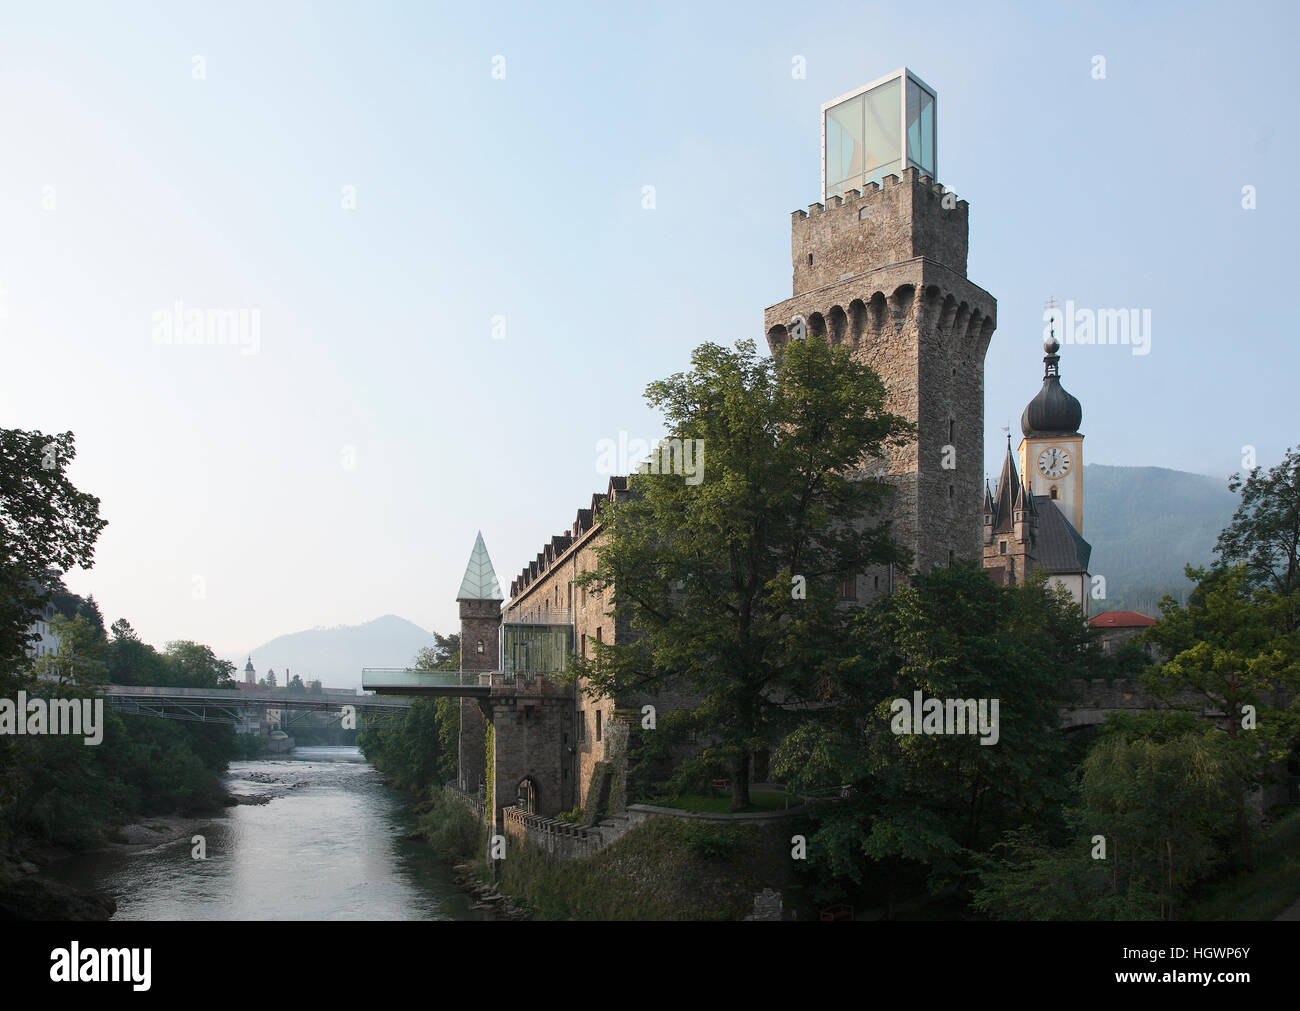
336,655
1145,524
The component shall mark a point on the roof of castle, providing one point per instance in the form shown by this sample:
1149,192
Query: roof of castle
480,582
583,523
1122,619
1060,548
1012,496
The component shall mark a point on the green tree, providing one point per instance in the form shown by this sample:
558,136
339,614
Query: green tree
730,583
1265,530
935,801
1230,648
45,524
1152,810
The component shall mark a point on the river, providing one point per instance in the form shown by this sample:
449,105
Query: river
329,845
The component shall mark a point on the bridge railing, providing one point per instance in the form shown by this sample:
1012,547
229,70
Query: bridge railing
376,678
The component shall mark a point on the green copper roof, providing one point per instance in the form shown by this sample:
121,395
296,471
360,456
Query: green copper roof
480,582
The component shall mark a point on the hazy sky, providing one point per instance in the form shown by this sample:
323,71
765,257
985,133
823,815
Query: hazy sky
199,153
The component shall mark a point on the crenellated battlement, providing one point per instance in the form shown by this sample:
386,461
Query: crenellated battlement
903,218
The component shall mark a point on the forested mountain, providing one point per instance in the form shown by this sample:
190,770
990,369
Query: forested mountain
1145,524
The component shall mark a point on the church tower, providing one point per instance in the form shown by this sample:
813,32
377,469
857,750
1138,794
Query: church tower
880,266
1051,453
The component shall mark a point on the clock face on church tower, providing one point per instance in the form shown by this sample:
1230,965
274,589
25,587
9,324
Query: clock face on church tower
1053,462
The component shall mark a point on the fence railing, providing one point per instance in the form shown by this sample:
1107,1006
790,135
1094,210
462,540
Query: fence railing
375,678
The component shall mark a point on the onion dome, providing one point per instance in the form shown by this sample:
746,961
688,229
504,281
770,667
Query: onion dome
1053,411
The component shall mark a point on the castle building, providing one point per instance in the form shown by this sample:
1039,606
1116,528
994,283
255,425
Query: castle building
1036,521
878,266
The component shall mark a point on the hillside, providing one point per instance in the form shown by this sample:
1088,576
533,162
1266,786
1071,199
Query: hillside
1145,524
336,655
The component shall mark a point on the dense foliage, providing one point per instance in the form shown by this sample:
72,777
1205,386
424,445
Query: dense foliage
422,750
731,583
55,789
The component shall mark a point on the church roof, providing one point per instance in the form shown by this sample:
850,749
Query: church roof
1052,411
480,582
1011,496
1060,548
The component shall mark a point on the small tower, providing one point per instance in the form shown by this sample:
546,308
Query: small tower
1010,526
1051,453
250,675
480,600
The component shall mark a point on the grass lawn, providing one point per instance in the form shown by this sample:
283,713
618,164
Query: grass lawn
1262,893
765,801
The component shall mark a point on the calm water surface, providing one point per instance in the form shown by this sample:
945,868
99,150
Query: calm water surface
328,846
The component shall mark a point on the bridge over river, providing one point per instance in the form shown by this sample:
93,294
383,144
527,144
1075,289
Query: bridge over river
232,705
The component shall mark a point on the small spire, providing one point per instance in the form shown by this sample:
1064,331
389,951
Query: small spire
480,582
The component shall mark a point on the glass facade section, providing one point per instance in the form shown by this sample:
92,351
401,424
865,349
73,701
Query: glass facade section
844,141
878,132
530,651
920,128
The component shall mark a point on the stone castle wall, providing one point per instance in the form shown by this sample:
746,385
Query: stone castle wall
892,287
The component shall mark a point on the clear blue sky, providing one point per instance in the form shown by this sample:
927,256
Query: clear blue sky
522,197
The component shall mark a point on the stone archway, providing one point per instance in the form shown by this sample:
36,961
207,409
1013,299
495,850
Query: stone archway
527,796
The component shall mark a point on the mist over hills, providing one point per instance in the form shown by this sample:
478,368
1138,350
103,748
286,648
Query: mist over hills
336,655
1144,523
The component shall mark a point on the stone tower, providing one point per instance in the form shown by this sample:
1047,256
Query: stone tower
480,601
880,266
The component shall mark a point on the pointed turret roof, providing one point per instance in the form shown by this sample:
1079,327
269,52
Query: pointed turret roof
1008,494
480,582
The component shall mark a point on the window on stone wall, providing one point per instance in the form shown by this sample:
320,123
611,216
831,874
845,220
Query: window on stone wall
810,259
1053,492
582,725
1002,547
950,557
598,724
584,643
849,588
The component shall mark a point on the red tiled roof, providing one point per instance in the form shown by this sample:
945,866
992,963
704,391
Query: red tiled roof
1121,619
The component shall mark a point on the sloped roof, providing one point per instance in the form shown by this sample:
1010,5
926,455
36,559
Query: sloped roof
480,582
1060,548
1012,496
1122,619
